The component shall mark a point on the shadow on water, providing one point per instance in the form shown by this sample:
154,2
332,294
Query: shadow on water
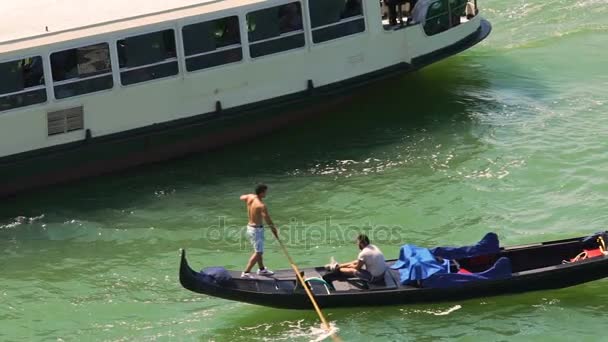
443,97
445,104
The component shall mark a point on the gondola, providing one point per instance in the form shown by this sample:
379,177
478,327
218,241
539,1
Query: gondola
533,267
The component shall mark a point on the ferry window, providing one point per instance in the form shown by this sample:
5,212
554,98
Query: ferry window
212,43
275,29
82,70
147,57
21,83
331,19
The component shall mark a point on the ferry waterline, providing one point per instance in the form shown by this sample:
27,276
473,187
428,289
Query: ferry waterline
134,83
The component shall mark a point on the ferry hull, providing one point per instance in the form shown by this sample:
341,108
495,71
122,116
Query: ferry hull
179,138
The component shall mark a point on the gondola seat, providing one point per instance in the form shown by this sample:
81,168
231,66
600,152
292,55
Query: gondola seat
389,281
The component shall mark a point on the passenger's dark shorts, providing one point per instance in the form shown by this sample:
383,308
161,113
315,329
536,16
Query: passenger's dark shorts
364,274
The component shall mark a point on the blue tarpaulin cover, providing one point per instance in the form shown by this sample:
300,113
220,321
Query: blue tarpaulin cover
418,263
488,245
500,270
214,275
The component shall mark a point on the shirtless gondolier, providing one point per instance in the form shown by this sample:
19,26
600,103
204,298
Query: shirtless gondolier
257,213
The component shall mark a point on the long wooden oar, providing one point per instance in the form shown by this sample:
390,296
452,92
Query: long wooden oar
310,295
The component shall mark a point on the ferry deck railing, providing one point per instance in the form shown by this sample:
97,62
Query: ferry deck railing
443,15
439,16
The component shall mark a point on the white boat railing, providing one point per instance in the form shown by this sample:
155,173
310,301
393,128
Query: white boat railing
24,90
220,49
164,61
342,21
282,35
81,79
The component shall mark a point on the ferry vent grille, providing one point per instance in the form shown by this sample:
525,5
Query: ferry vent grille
65,120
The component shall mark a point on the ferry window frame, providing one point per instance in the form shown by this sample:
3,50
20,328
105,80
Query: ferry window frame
218,50
55,84
173,60
43,87
301,32
351,19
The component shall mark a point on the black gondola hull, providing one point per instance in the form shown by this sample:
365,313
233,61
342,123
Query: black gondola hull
544,278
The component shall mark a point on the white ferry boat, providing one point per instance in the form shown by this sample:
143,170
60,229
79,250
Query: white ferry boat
89,87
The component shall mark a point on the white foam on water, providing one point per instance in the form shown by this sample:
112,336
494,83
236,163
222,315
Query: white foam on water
296,329
19,220
546,304
321,333
435,312
448,311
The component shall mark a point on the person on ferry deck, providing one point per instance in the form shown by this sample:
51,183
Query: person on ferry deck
392,10
370,264
257,213
412,4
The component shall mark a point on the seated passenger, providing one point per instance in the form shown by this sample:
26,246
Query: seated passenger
370,264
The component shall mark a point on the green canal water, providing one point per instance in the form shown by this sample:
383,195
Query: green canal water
509,137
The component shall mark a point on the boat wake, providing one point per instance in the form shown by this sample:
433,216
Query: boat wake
321,334
435,312
19,220
295,330
448,311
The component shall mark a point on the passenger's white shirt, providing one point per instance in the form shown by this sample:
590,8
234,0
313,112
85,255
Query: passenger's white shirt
373,259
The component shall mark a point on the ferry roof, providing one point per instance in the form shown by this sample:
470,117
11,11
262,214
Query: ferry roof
24,23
